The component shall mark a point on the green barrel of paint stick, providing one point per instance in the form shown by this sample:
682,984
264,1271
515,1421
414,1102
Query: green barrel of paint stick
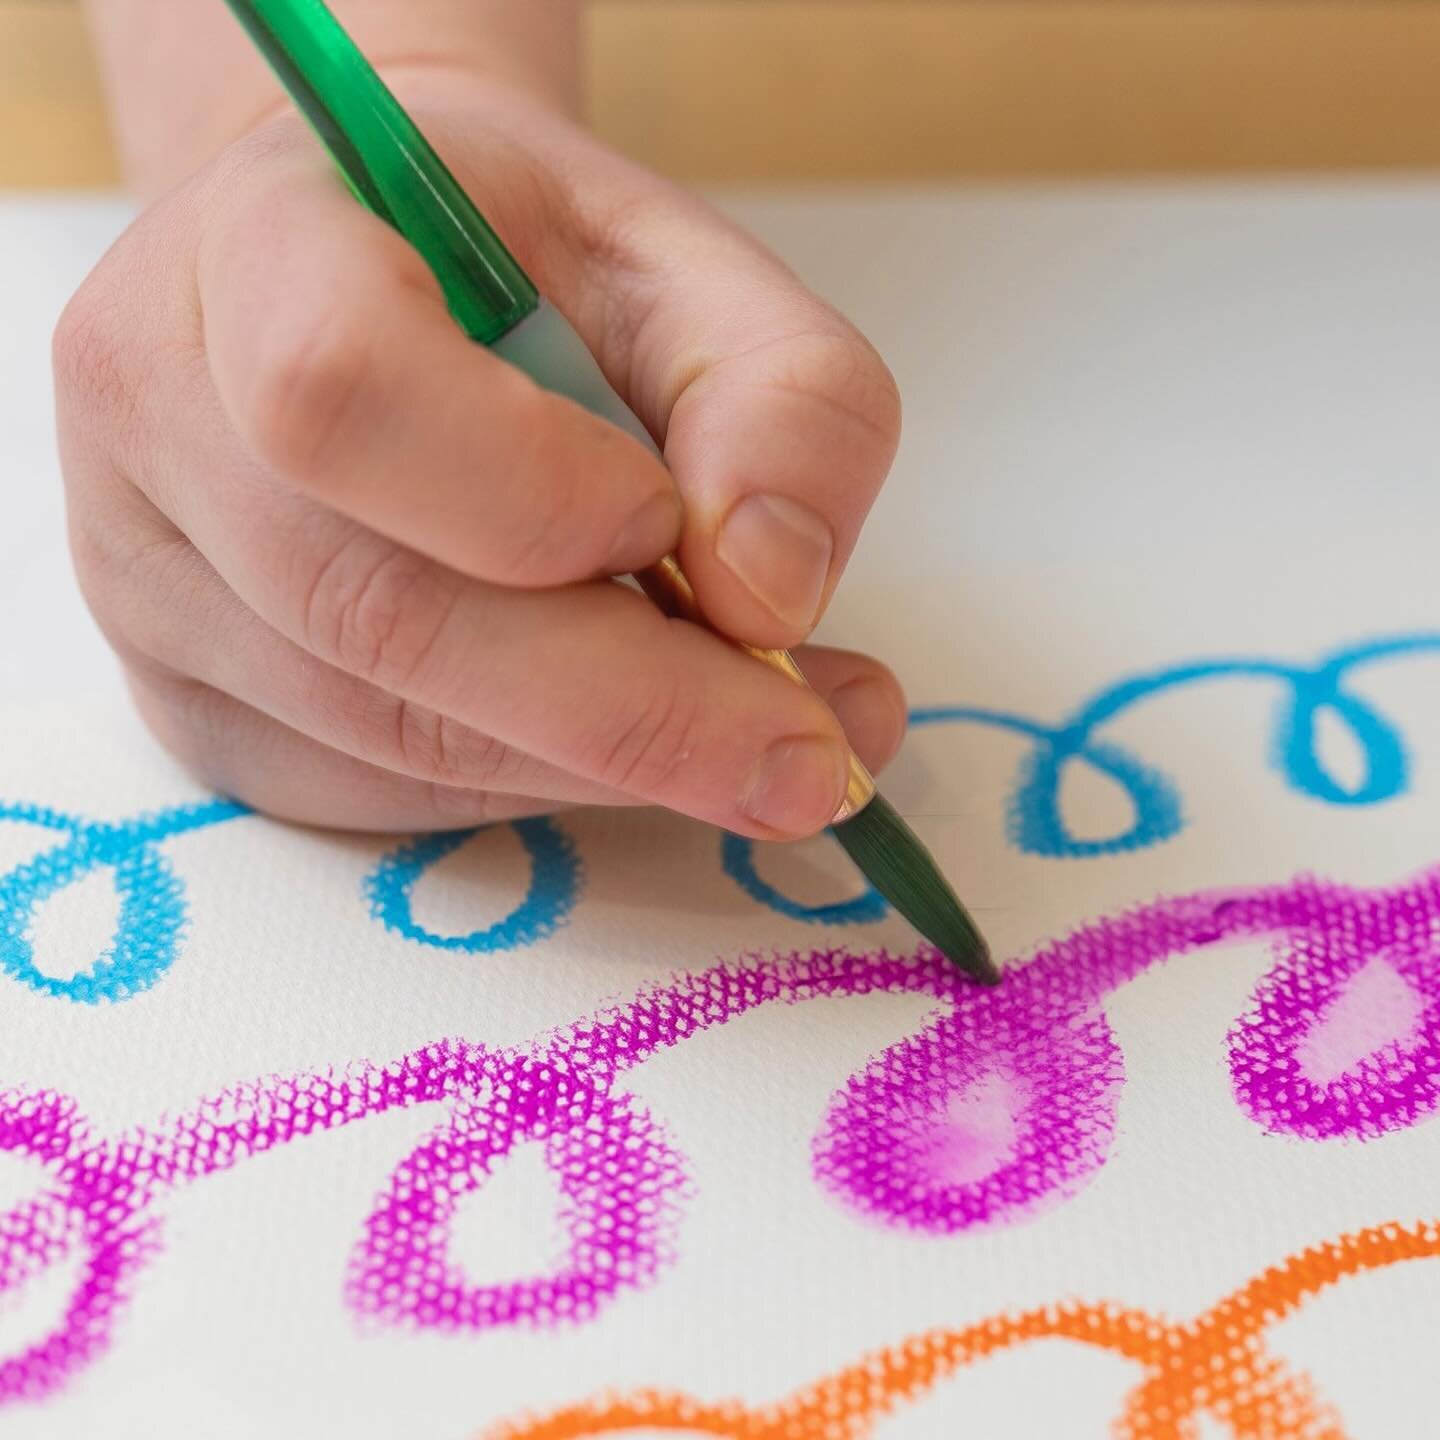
389,164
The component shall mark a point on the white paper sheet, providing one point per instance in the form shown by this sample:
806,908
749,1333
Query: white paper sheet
582,1119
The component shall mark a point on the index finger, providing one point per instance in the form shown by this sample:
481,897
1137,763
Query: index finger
339,365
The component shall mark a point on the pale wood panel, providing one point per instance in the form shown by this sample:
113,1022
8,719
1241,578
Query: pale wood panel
833,88
740,89
52,120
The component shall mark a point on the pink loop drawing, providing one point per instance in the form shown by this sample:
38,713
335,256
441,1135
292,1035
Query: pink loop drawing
1002,1103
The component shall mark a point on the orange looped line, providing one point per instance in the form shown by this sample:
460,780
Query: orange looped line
1216,1364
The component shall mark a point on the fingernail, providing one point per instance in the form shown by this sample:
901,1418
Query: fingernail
781,551
797,785
647,535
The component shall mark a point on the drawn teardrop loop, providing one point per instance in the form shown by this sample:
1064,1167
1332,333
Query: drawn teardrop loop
554,886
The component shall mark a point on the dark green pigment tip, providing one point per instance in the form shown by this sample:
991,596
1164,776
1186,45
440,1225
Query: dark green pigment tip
892,858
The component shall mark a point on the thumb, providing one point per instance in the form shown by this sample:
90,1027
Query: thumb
780,423
779,420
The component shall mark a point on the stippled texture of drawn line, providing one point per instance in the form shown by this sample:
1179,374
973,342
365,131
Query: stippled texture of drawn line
554,884
152,896
153,905
1216,1365
1003,1102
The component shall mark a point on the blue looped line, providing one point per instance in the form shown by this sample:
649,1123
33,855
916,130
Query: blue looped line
737,855
554,887
153,912
152,897
1035,822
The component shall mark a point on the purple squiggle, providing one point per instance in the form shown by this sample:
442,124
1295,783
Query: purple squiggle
1007,1104
1001,1103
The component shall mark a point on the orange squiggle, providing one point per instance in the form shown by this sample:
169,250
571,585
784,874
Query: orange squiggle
1216,1364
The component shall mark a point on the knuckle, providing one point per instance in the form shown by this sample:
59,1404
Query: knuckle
192,721
133,580
420,743
846,374
653,743
440,750
97,559
458,806
88,349
377,610
882,407
310,386
205,718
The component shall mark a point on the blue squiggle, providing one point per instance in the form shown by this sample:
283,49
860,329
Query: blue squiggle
737,855
152,896
153,912
1035,821
554,886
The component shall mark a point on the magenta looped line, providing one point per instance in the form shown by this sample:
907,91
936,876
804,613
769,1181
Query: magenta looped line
1001,1104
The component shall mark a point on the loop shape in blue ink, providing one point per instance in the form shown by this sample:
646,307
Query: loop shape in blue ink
1299,758
1035,823
554,886
737,855
152,897
1037,826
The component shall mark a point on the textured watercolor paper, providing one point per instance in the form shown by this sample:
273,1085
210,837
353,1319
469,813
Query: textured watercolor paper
611,1124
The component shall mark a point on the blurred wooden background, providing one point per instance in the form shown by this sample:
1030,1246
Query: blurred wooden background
786,89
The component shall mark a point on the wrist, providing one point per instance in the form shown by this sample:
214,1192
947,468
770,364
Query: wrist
185,82
423,84
492,47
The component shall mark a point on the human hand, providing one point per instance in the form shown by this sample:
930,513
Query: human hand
357,568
